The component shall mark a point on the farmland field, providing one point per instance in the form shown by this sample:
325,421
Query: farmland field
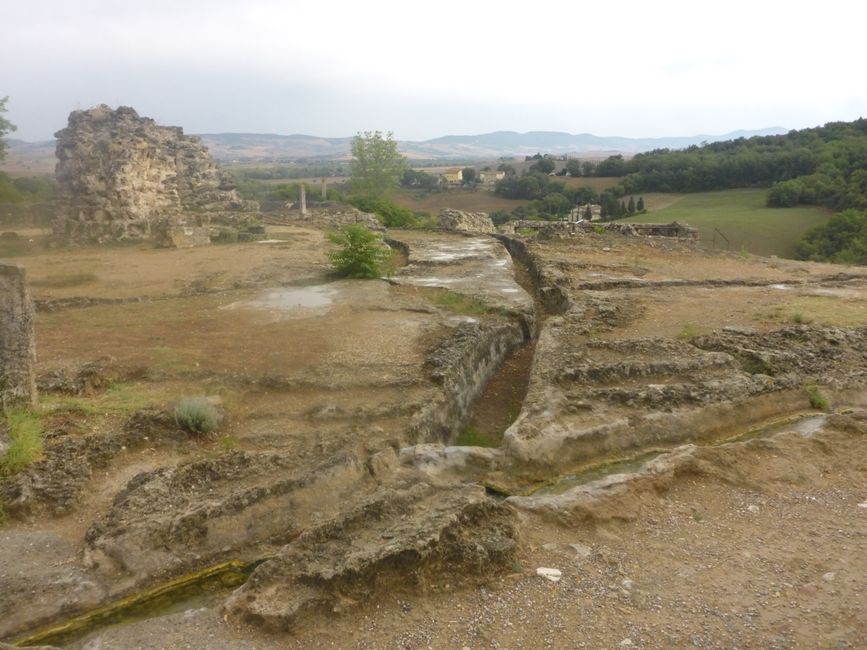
468,200
740,215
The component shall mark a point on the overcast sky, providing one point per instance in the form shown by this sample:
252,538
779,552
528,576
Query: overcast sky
426,69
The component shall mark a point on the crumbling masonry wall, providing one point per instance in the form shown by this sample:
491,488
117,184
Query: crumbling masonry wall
17,341
120,176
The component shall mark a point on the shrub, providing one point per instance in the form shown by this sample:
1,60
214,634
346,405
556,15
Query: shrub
362,253
197,415
390,214
25,440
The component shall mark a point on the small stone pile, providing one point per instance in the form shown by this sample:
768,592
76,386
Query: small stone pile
461,221
121,176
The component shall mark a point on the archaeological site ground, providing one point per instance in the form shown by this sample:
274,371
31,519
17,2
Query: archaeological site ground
562,437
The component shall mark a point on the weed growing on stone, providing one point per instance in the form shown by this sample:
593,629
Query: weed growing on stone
799,319
817,399
226,444
25,440
471,437
196,415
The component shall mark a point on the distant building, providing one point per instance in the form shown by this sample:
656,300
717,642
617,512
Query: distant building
453,176
491,176
579,212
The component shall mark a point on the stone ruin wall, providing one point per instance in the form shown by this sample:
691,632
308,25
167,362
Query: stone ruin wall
121,176
17,340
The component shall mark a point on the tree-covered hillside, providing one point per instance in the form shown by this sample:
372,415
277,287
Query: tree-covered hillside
825,165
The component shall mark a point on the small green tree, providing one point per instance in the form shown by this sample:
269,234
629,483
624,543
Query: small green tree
5,127
630,207
588,214
361,255
376,166
640,205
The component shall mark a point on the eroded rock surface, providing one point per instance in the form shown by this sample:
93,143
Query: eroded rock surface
610,375
406,536
119,175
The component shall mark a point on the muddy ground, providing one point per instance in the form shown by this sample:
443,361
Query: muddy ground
334,464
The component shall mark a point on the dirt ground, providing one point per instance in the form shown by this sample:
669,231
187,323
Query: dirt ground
772,555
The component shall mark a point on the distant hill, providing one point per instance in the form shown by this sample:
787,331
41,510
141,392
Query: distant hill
245,146
38,157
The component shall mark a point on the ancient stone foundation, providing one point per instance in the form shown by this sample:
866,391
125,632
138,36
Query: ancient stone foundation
118,175
458,220
17,341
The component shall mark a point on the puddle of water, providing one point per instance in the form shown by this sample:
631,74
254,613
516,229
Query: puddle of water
596,472
288,299
806,426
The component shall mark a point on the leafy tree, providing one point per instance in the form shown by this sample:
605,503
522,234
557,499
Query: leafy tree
640,205
555,204
5,127
469,176
573,167
508,169
630,207
543,166
842,239
612,166
419,179
785,194
376,165
361,255
588,214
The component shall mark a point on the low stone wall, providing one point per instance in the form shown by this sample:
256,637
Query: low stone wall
17,340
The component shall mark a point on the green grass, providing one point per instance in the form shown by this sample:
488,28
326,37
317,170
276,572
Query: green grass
25,436
741,216
63,280
471,437
119,398
458,303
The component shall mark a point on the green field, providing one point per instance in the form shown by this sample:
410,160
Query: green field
740,215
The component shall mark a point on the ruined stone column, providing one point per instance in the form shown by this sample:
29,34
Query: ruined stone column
17,340
303,200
